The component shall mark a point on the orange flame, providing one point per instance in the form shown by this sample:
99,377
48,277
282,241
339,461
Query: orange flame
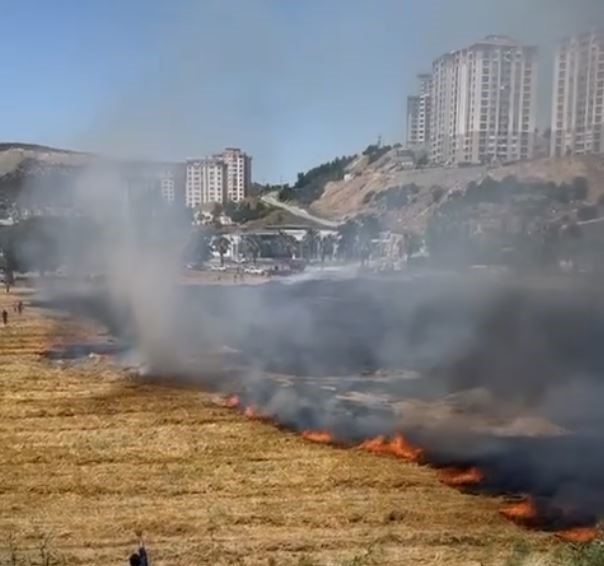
578,534
317,436
253,414
399,446
524,512
232,402
250,413
459,477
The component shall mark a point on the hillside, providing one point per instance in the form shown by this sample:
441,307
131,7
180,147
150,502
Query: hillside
14,154
368,184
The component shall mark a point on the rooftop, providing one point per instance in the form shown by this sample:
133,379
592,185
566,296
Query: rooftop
491,41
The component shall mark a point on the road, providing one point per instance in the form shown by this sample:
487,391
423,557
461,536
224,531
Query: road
272,200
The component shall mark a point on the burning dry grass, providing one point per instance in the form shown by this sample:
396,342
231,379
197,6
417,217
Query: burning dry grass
456,477
523,512
89,455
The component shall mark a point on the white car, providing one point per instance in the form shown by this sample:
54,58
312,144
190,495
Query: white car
255,271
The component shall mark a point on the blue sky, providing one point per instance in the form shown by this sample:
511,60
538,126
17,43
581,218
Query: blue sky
294,82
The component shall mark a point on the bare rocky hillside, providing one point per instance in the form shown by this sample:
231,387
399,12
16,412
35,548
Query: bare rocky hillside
14,154
366,185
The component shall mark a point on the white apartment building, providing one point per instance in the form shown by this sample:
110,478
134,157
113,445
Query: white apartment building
418,113
484,103
577,107
167,185
239,173
205,182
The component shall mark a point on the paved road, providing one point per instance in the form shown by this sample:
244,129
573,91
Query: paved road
272,200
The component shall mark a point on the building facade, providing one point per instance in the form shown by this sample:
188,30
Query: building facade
418,114
483,105
167,185
225,177
238,173
577,107
205,182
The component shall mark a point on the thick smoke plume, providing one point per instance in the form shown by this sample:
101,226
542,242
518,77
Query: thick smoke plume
504,376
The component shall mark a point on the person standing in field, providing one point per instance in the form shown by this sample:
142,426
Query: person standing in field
20,307
4,317
139,558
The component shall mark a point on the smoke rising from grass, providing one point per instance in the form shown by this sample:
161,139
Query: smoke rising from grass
340,356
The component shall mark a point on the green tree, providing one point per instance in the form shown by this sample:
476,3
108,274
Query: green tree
310,243
252,247
422,161
286,194
291,244
217,211
437,193
369,227
328,246
579,189
222,245
348,234
412,244
199,247
587,212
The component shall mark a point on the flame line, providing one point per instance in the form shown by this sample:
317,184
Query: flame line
524,513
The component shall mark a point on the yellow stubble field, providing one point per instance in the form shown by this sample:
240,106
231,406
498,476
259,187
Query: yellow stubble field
89,454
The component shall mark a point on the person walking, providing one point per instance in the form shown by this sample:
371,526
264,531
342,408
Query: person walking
4,317
140,557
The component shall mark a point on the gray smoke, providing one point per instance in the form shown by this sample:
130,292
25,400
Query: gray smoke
352,356
478,369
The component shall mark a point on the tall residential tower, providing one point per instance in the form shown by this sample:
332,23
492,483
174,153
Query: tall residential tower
238,174
577,109
205,182
225,177
484,103
418,113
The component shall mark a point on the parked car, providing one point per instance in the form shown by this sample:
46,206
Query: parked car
255,271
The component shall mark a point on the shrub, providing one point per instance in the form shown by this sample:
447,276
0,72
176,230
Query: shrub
368,197
437,194
587,212
563,194
579,188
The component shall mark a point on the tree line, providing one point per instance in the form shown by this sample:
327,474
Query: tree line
309,186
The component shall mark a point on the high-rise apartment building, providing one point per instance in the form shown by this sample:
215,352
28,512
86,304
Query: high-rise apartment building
577,108
418,113
205,182
167,185
484,103
226,176
238,174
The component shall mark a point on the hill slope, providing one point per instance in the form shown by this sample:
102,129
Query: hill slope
14,154
360,193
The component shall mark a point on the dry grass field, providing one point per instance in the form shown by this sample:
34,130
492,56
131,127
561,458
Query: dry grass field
88,455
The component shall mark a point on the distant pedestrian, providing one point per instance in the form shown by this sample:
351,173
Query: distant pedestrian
4,317
20,307
139,558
